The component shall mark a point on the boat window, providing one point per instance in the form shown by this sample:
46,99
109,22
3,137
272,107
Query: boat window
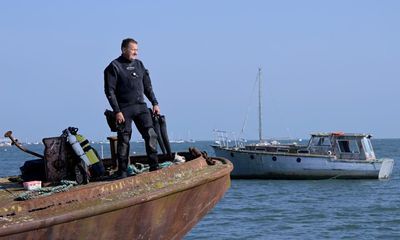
321,141
348,146
303,151
367,145
283,150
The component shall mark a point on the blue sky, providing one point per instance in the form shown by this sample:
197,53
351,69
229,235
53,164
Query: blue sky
327,65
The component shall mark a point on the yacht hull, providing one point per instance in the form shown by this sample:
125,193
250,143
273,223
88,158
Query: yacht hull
260,164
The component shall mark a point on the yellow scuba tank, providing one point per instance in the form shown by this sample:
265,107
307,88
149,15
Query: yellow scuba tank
96,165
85,152
89,152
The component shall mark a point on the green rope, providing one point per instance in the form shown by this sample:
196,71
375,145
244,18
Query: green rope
64,186
166,164
137,168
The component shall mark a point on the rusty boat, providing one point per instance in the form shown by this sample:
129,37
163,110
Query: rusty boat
163,204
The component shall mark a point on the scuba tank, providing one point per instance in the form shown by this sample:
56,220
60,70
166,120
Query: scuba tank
76,146
91,164
94,159
80,169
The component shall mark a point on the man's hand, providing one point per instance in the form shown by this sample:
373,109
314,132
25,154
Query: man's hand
156,110
119,117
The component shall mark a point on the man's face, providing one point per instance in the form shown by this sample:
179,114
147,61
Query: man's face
131,51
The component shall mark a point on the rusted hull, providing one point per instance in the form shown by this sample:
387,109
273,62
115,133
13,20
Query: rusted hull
164,204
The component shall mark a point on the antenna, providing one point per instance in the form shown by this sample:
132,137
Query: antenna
249,105
260,124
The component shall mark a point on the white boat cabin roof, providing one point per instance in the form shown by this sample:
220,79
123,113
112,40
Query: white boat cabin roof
340,134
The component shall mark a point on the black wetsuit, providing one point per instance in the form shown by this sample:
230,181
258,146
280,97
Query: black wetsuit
125,84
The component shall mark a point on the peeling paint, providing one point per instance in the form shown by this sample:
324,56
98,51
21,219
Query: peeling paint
146,206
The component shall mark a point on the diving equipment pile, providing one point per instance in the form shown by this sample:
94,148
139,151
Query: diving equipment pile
91,164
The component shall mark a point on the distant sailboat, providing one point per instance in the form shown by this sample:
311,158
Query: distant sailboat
190,139
173,140
177,141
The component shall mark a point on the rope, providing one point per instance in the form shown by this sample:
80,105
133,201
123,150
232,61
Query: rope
137,168
64,186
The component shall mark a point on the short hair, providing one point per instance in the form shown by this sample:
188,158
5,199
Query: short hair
126,42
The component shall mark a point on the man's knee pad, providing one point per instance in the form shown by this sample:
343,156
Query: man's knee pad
152,138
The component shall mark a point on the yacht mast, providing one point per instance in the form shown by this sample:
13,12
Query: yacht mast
260,106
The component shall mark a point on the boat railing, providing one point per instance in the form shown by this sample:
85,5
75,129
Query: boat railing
228,139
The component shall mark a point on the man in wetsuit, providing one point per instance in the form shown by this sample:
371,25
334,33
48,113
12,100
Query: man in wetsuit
126,81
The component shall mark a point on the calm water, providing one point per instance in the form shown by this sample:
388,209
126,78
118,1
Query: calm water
279,209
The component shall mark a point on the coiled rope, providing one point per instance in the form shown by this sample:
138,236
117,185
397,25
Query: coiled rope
64,186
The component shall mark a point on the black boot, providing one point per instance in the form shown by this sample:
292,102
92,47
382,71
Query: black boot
151,149
123,146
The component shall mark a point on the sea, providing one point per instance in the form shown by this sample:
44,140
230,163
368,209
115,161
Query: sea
284,209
